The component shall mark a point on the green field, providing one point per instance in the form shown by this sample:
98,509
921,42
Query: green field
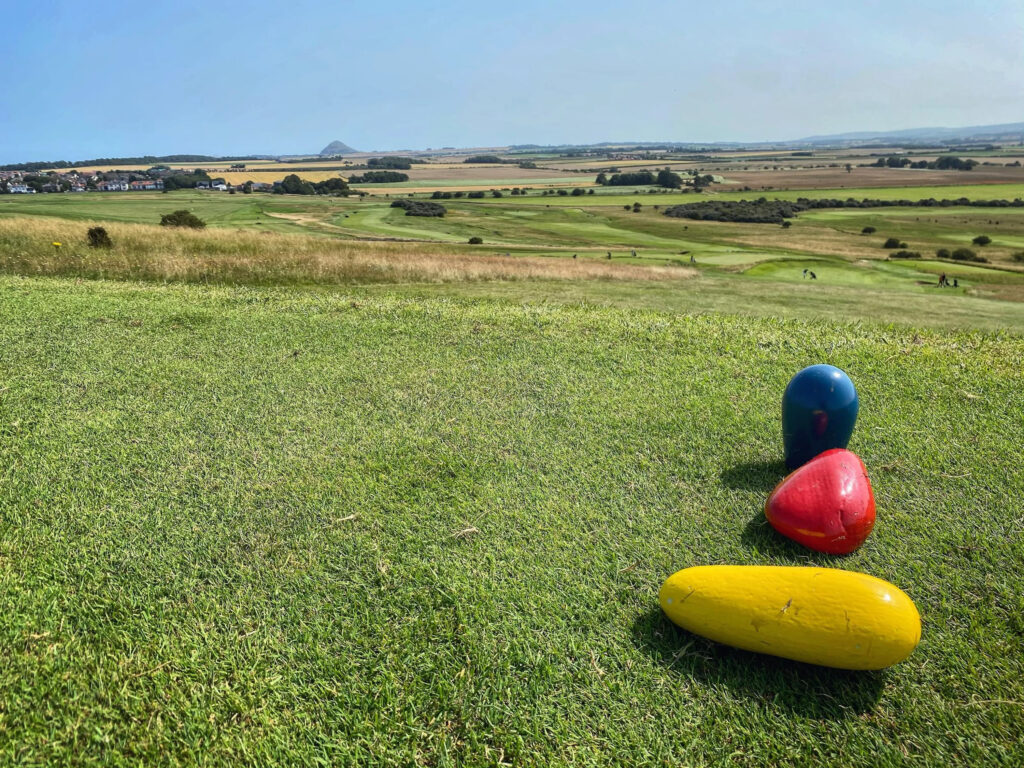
278,526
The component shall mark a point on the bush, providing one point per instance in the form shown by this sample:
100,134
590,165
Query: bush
966,254
476,195
476,241
98,238
578,192
483,159
1018,257
786,224
893,242
868,231
420,208
982,240
182,219
905,255
942,253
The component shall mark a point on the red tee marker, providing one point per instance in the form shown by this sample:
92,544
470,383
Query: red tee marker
826,505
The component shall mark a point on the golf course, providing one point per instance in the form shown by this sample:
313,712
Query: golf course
323,483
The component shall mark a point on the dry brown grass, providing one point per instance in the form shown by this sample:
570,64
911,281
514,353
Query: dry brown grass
144,252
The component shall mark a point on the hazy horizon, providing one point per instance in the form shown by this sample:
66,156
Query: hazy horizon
239,79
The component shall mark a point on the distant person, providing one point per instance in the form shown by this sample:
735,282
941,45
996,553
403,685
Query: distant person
692,259
634,253
813,276
942,280
574,255
609,255
956,282
805,272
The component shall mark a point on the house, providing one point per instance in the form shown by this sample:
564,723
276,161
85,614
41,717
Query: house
20,189
76,187
222,187
112,186
147,184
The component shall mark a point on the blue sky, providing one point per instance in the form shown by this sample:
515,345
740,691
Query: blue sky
118,78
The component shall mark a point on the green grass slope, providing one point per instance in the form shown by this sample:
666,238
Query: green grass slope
258,526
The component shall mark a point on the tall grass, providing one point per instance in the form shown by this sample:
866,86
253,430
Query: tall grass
144,252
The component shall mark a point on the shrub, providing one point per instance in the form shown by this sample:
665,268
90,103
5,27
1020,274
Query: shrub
578,192
786,224
982,240
942,253
966,254
495,193
182,219
893,242
98,238
868,231
563,192
483,159
420,208
1018,257
475,195
904,255
476,240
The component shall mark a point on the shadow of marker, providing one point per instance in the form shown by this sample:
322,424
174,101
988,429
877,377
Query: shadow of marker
803,689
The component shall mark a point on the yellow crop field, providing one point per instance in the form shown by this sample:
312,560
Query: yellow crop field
272,175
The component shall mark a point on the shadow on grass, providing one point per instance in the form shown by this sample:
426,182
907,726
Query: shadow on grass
802,689
759,535
755,476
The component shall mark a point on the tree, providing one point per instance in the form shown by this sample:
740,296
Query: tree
893,242
379,177
849,168
982,240
670,180
868,231
476,240
602,178
182,218
578,192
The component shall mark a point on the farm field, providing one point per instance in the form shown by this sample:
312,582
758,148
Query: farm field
269,525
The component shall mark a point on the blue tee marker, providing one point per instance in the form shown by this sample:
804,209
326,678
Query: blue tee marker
819,409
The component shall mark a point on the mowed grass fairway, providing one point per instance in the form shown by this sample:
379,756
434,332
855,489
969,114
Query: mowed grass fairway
258,526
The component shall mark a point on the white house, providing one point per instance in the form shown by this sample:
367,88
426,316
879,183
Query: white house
20,189
112,186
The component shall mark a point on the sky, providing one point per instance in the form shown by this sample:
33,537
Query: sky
116,78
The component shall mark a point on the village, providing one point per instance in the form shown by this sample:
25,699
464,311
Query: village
153,179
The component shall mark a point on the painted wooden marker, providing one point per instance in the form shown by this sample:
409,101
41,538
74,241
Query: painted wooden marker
826,505
820,616
819,409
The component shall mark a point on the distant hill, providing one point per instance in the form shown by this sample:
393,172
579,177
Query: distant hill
338,148
1002,131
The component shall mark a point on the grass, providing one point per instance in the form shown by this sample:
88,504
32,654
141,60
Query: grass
143,252
255,526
